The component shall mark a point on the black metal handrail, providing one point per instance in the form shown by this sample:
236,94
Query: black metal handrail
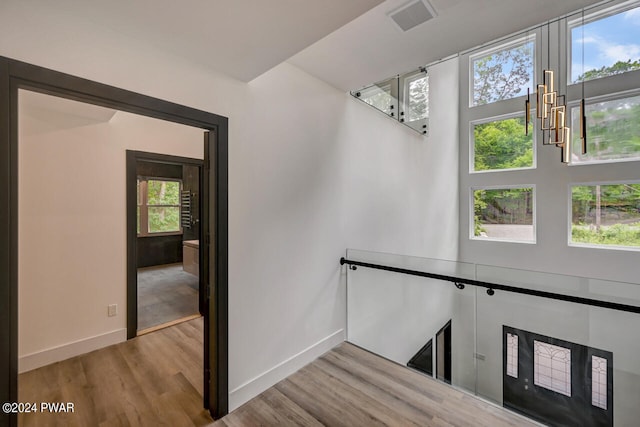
492,287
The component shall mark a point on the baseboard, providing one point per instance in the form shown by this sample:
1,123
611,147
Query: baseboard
257,385
55,354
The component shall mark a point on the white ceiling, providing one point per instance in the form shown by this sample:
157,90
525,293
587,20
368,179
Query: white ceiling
240,38
372,48
46,113
347,43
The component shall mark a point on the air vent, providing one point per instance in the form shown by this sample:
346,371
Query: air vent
412,14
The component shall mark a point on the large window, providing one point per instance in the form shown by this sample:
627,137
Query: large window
606,44
502,144
606,215
158,206
502,73
613,129
504,214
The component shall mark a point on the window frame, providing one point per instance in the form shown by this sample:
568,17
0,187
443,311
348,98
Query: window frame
143,206
534,215
613,96
472,143
577,19
572,244
513,42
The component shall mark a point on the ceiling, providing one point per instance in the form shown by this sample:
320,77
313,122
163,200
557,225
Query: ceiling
347,43
239,38
46,113
372,48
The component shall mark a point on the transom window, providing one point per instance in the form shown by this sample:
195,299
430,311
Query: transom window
158,206
502,73
608,41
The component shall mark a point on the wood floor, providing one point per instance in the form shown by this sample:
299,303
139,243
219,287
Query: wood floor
352,387
152,380
156,380
165,293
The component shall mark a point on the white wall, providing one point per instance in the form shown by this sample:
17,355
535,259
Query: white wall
312,171
72,219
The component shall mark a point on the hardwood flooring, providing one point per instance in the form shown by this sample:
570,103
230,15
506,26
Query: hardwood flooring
152,380
156,380
165,293
349,386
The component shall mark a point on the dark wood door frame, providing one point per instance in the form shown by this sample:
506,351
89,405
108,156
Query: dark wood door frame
15,75
132,236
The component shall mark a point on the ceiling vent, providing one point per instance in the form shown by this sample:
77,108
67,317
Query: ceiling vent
412,14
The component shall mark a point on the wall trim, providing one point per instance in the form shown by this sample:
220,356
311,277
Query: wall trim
260,383
51,355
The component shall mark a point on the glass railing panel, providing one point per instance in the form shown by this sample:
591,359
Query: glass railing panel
560,362
382,96
396,315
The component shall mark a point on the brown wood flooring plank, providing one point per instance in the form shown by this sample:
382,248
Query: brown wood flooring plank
349,386
153,380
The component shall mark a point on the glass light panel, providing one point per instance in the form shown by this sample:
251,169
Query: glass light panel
552,367
502,144
610,46
502,74
504,214
599,382
613,131
164,219
163,192
607,215
512,355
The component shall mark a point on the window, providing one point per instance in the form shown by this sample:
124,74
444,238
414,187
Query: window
502,73
606,215
613,129
158,206
505,214
609,43
599,382
512,355
552,367
502,144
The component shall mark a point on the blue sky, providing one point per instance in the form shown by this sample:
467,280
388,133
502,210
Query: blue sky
606,41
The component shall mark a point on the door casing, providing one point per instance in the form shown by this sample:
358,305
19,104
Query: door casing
15,75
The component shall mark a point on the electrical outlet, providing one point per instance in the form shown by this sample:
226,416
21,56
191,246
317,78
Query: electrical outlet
112,310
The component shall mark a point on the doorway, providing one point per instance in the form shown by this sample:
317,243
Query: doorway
15,75
169,285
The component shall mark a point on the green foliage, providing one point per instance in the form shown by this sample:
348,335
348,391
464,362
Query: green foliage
502,206
502,145
617,234
163,206
617,68
503,74
478,206
613,129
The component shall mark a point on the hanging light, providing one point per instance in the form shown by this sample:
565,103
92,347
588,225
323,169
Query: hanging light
551,111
